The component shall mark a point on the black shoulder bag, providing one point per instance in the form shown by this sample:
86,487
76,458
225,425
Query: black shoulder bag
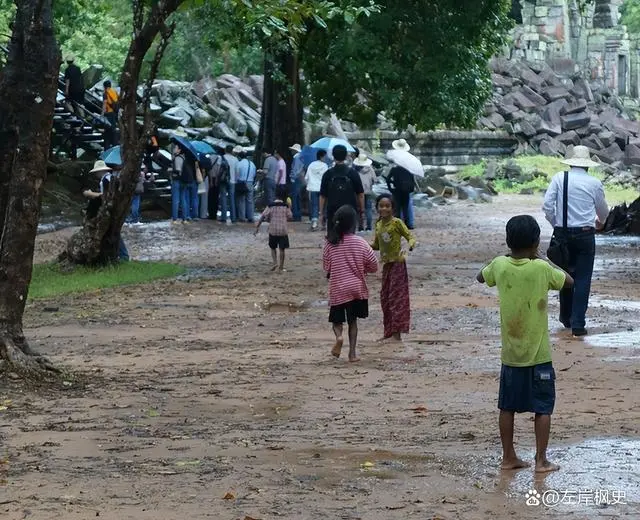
558,251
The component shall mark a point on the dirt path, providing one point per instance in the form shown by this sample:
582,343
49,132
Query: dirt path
221,382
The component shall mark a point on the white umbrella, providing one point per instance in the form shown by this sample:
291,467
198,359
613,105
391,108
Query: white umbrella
406,160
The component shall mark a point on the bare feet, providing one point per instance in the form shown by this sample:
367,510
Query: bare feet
337,348
354,359
391,339
514,464
544,466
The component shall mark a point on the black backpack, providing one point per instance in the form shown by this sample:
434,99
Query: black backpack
188,173
224,174
342,191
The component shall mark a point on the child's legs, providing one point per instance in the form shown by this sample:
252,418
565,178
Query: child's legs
274,256
542,429
506,435
282,255
353,337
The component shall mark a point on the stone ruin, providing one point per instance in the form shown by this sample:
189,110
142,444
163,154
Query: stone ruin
569,79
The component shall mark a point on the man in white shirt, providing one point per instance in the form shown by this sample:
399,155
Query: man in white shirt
313,179
587,211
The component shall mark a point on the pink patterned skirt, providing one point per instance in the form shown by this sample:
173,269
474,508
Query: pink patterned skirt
394,297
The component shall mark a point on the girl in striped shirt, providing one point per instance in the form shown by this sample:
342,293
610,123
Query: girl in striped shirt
347,258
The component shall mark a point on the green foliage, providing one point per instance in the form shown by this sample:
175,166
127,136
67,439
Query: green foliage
49,281
424,62
631,15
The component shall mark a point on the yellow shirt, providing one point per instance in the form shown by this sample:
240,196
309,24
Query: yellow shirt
110,99
523,287
388,240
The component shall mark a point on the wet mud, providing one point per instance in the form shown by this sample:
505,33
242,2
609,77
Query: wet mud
214,395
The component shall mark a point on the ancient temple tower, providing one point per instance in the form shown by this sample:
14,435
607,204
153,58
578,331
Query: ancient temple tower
590,41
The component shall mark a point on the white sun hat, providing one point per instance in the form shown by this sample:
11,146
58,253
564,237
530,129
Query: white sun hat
581,158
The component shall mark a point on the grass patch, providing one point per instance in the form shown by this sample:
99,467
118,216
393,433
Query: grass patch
49,280
545,167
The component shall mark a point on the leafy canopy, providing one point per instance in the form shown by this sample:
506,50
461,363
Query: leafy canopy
423,62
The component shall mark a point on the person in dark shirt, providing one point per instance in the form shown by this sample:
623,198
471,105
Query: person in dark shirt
341,186
73,83
401,183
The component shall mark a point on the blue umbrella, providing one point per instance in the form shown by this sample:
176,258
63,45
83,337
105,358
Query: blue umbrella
112,156
202,147
327,143
185,145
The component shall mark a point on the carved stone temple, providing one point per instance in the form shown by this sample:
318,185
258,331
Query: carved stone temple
571,39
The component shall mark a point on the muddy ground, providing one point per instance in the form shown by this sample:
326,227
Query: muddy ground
221,384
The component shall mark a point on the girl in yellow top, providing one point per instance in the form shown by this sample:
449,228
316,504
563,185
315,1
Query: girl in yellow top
394,295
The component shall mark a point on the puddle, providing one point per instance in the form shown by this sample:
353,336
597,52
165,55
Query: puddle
597,477
617,305
617,240
283,306
625,339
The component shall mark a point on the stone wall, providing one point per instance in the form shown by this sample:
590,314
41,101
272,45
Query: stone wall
442,150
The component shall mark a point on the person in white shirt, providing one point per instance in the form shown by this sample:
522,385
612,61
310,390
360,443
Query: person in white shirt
228,191
587,211
313,179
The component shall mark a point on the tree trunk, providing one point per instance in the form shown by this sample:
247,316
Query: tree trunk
98,240
28,86
281,119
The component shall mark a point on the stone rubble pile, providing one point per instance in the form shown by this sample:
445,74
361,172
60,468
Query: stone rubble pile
624,220
548,113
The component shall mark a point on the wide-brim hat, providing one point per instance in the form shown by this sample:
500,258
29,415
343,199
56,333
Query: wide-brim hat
296,147
100,167
362,160
401,144
70,58
581,157
238,149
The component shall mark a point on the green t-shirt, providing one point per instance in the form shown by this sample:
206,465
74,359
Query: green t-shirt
523,287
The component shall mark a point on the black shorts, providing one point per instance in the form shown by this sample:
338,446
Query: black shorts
276,242
349,312
528,389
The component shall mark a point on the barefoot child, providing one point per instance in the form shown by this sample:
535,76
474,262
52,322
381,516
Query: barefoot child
347,258
527,378
394,295
277,215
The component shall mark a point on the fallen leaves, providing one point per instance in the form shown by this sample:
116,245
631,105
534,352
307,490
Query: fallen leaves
229,495
418,410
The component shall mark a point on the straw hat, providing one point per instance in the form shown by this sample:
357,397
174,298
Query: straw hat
238,149
296,147
70,58
581,158
401,144
100,167
362,160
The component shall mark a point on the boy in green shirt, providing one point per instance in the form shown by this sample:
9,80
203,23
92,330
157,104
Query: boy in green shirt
527,378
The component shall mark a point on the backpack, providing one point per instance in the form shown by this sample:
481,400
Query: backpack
188,172
342,191
204,160
224,173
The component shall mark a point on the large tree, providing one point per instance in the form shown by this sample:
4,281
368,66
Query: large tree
97,241
28,84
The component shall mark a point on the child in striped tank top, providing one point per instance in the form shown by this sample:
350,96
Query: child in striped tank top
347,258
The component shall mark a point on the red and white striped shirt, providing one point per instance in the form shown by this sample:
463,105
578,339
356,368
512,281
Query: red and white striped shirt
348,263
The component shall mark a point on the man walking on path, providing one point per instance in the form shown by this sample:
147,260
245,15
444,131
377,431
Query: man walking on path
341,186
587,211
244,188
297,182
228,190
270,171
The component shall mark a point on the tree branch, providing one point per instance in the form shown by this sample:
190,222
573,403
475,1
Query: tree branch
166,32
138,16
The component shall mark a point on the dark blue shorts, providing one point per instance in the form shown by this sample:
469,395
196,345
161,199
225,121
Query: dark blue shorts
528,389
